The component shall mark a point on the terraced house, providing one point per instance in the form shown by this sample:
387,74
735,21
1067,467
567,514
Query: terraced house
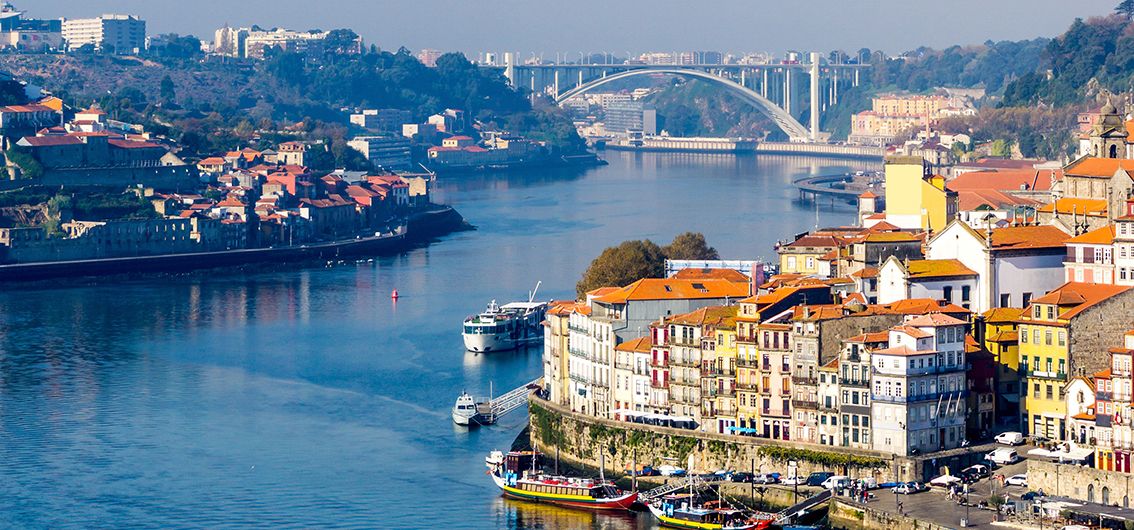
1063,334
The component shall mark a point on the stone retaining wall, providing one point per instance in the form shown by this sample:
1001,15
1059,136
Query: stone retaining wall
579,439
1080,482
850,516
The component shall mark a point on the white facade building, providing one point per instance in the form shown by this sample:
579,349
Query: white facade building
1013,264
118,33
946,279
918,387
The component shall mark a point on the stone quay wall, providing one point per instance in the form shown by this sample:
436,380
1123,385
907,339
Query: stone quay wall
1080,483
589,441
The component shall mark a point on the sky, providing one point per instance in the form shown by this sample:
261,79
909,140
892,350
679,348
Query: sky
614,26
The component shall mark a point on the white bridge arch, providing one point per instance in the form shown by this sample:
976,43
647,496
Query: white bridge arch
795,130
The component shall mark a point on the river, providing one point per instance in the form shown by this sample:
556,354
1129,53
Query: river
305,396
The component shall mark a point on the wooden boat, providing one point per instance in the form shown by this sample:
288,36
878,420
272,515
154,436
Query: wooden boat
518,482
678,511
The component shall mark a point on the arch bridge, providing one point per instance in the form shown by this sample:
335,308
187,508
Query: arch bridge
772,88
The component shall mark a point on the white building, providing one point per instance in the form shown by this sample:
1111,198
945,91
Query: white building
117,33
390,152
918,387
1124,245
1013,264
942,279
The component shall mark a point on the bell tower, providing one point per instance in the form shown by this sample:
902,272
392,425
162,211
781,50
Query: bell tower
1108,136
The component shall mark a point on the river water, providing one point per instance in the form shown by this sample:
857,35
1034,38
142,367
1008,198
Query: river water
305,396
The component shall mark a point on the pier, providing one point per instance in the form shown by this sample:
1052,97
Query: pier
490,411
811,188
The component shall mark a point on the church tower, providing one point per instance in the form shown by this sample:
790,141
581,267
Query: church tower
1108,136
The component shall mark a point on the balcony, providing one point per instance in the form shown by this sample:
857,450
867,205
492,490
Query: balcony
804,404
624,366
720,372
856,383
930,396
804,380
747,363
687,363
834,407
1062,376
578,329
1104,396
748,386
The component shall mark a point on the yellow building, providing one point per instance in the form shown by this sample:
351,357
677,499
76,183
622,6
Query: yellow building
723,405
1063,333
1001,339
916,199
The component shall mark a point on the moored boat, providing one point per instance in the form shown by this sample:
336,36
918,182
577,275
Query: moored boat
515,480
507,327
466,411
678,511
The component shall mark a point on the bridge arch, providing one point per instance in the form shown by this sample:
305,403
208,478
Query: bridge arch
795,130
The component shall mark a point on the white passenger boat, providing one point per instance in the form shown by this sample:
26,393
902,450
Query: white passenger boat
507,327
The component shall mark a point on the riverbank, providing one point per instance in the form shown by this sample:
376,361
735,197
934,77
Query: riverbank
420,228
582,161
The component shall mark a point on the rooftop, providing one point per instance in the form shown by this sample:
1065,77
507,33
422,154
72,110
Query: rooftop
673,289
1098,167
1074,298
1101,236
640,345
937,268
1024,237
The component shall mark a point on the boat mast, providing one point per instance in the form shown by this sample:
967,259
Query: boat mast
532,295
602,466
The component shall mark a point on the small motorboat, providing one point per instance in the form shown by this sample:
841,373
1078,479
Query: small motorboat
467,411
680,511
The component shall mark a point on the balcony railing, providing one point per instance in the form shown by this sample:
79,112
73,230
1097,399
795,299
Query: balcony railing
829,408
1046,374
748,386
930,396
1104,396
687,363
856,383
804,379
804,404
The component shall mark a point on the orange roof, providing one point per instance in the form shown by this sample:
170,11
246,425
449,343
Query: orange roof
1073,298
1004,336
1101,236
1098,167
877,336
601,291
809,313
1084,416
913,332
891,237
921,306
1022,237
731,275
1105,374
934,319
902,350
969,200
1003,314
1068,206
866,272
834,364
1005,180
867,195
640,345
672,289
212,161
708,316
937,268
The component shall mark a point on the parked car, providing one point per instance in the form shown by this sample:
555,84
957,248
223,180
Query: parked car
1003,456
1017,480
645,471
671,471
1032,495
836,481
1010,438
797,480
817,478
742,476
969,477
980,470
909,488
766,478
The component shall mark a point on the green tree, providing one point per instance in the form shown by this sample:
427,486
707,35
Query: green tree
690,246
1125,8
622,265
167,91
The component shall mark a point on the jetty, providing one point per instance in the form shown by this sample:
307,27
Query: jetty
490,411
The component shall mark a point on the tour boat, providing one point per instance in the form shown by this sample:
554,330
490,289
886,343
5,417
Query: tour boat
512,476
678,511
506,327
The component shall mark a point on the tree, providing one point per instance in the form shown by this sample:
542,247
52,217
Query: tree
634,260
167,91
622,265
1125,8
690,245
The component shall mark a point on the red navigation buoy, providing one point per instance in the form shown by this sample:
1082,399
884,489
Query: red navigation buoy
394,294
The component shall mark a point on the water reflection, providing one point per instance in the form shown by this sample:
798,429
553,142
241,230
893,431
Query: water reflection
514,514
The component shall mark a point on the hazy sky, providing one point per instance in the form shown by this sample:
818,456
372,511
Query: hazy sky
616,26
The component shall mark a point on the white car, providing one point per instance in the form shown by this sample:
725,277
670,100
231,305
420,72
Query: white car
794,481
1017,480
1010,438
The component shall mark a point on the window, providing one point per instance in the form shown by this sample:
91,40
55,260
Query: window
947,293
1024,336
1051,312
1049,394
1037,312
1047,337
1027,297
1005,300
966,293
1035,391
1062,339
